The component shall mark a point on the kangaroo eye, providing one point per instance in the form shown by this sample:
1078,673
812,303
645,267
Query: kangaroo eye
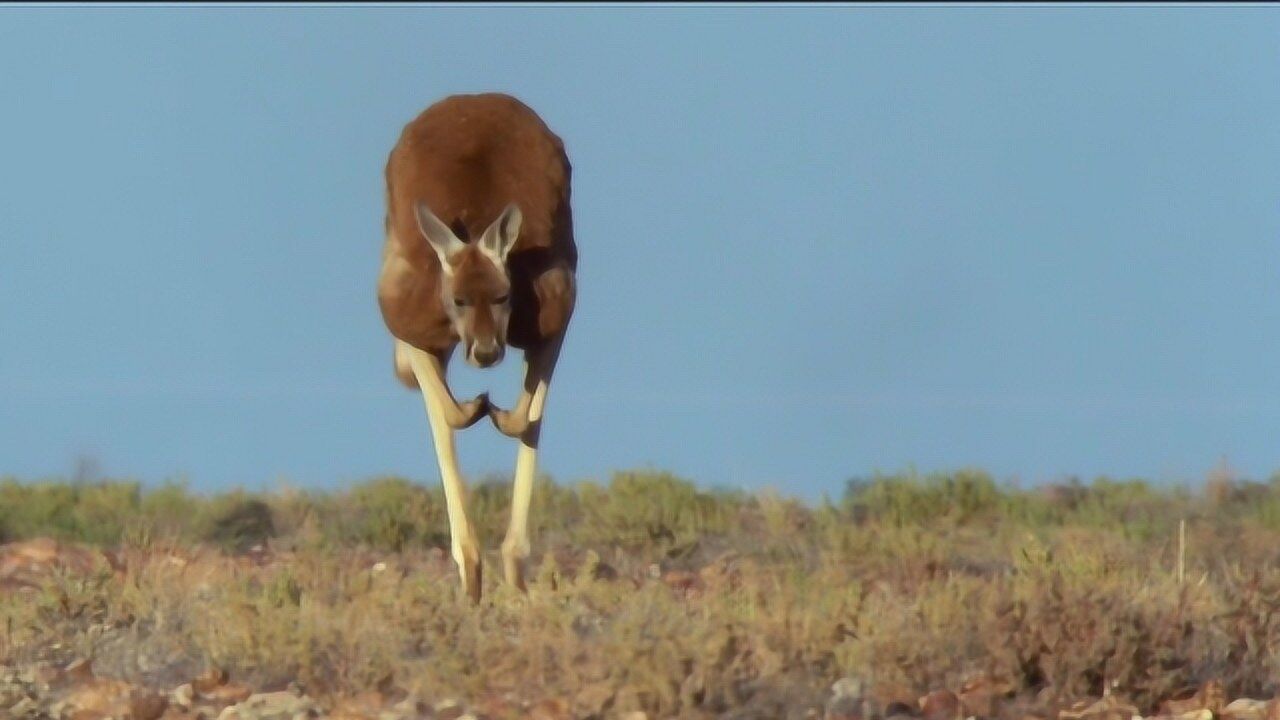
500,300
460,302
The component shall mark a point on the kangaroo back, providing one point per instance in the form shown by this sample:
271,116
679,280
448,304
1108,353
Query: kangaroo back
467,157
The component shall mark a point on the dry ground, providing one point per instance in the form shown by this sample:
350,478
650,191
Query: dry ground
938,597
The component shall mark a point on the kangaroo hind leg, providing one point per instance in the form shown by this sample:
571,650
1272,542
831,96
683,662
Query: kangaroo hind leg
404,366
527,419
429,368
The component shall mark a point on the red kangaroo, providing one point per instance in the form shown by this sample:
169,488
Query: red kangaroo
479,252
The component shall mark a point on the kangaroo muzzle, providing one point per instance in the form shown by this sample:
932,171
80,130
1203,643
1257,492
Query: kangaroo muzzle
485,354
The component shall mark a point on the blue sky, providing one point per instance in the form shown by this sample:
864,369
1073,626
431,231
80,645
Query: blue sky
816,242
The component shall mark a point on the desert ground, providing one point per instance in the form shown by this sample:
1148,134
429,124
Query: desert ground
936,597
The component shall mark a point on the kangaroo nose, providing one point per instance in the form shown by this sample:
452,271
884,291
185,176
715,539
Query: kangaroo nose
488,355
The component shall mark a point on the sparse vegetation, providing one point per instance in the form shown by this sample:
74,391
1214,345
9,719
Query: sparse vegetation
652,594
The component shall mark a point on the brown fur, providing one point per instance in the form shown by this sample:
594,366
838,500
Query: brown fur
467,157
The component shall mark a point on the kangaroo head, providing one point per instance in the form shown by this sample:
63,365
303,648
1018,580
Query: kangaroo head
474,284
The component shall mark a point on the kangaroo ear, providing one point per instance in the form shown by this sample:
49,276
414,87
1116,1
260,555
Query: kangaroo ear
440,237
499,238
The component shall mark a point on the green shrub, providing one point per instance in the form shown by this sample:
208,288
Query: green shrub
647,508
393,513
960,497
241,524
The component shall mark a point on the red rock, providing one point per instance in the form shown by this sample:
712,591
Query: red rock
1211,696
115,698
26,564
210,679
228,694
365,706
980,695
940,705
1245,709
1112,707
550,709
684,583
78,671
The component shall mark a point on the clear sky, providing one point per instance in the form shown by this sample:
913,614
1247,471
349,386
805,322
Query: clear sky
816,242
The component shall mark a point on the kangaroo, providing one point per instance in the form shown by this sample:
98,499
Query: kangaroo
479,253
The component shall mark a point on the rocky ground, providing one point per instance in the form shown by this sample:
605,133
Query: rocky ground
56,682
74,692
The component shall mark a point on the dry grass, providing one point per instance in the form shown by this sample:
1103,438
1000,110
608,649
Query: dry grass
652,595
